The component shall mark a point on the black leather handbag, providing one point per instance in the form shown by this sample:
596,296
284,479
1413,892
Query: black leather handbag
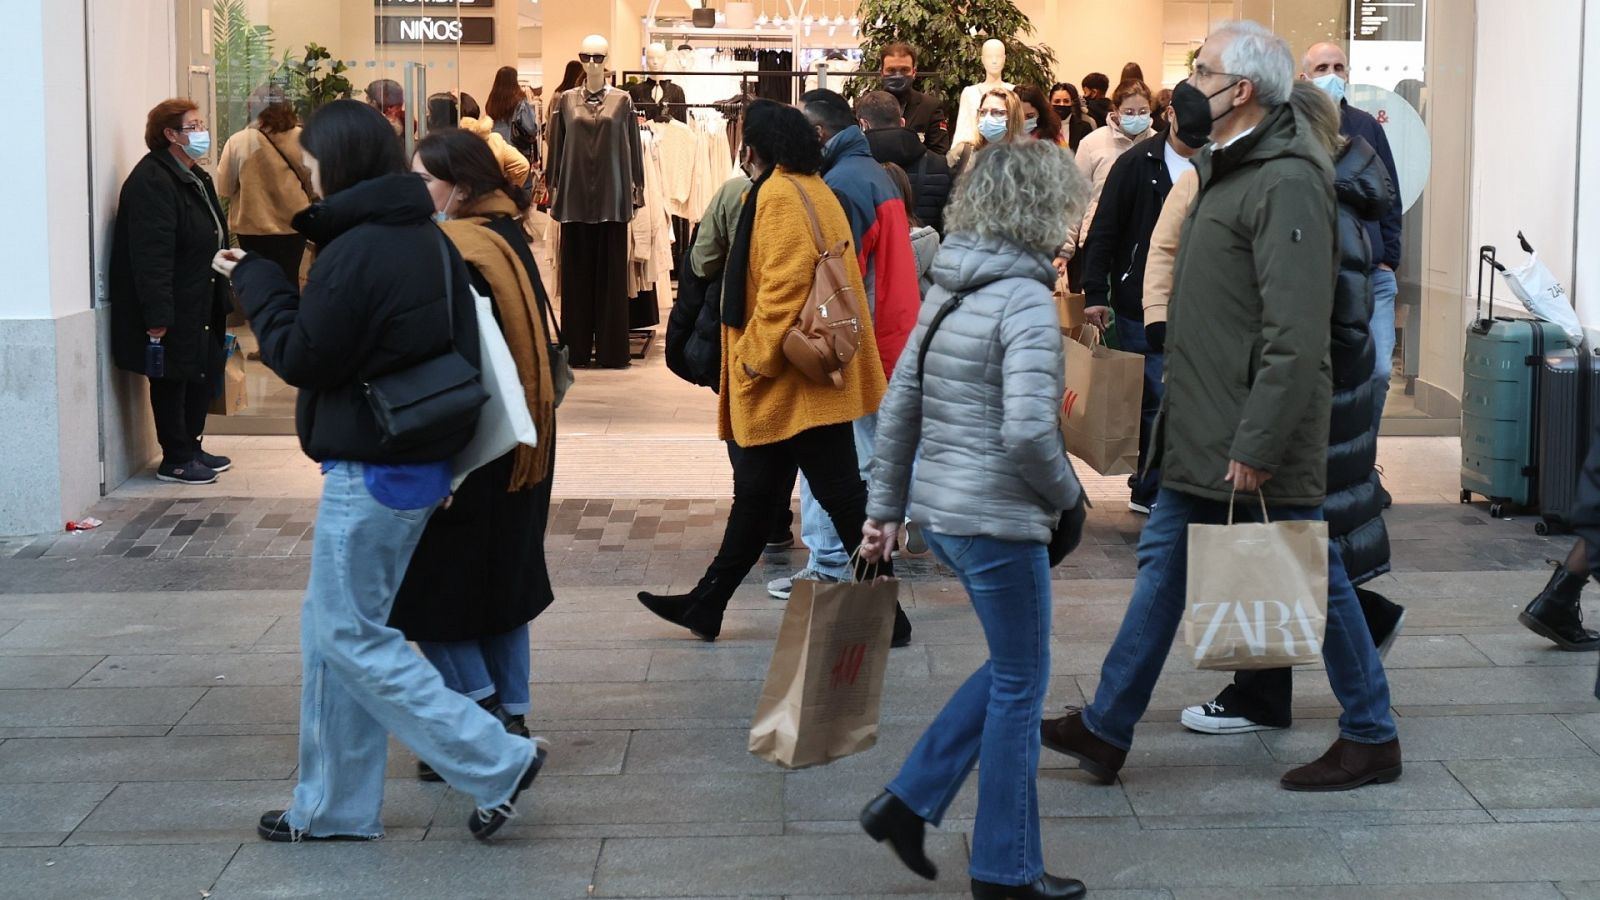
431,399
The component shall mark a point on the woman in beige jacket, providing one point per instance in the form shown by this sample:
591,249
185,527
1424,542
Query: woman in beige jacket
515,166
263,178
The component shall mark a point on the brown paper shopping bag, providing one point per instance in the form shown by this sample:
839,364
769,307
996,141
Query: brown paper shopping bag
1257,594
820,701
1069,306
235,395
1100,412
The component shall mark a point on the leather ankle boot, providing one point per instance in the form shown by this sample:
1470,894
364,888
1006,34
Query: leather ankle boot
700,610
888,818
1556,615
1048,887
1070,736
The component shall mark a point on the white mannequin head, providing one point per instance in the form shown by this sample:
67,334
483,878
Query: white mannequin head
994,58
655,57
593,55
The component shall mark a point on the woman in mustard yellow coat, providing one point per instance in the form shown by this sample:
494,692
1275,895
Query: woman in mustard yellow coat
783,422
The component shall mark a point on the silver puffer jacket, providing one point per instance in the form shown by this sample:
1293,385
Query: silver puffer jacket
982,424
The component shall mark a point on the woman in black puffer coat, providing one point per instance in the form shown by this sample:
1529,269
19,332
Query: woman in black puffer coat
1260,700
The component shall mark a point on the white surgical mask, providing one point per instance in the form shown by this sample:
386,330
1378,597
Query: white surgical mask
1133,126
1332,85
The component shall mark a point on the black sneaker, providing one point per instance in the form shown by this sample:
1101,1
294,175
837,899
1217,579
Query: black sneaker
186,473
483,823
1214,718
274,827
213,462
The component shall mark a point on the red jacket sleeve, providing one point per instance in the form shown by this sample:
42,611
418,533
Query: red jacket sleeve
886,253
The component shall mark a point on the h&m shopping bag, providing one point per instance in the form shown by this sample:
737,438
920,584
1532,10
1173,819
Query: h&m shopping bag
1069,307
1257,593
820,701
1100,412
504,421
232,395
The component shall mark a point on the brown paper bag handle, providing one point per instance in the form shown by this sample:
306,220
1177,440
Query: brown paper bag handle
1259,496
1092,335
855,578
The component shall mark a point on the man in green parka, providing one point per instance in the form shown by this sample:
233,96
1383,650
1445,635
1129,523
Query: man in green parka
1248,392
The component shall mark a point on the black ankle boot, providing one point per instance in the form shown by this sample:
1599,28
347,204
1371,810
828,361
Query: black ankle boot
902,628
1556,615
1048,887
888,818
697,610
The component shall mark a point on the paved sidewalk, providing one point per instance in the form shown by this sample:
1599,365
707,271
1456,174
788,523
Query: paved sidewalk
148,703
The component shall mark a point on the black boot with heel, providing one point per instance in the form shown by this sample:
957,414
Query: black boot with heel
1048,887
1556,615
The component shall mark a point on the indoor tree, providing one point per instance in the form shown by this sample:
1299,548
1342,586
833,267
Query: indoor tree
244,61
949,36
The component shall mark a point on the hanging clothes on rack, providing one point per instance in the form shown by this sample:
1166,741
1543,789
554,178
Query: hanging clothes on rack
773,87
657,99
649,239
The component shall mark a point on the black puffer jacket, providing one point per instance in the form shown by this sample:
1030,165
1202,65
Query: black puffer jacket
694,327
373,304
1354,508
927,171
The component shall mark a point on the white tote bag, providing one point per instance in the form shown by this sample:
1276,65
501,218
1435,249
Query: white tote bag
504,422
1536,286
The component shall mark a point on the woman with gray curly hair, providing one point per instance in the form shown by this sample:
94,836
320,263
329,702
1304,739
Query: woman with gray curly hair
977,412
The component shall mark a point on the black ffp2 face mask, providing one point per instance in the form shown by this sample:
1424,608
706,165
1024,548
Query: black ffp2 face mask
897,84
1191,110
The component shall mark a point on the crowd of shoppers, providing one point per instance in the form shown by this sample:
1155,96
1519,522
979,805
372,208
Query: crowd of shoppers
1240,232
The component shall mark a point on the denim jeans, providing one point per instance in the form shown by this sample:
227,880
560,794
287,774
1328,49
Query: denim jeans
1131,335
363,682
994,715
828,555
1384,289
491,666
1131,669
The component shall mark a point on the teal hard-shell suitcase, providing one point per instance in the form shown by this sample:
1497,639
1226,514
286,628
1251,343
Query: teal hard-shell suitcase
1500,402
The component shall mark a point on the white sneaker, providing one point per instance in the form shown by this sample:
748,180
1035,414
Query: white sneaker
1139,508
1213,718
781,588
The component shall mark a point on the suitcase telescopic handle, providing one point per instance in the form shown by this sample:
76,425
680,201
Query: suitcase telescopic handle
1486,257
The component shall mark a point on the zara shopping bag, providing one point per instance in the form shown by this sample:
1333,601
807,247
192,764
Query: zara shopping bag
504,422
1100,412
820,701
1541,294
1257,593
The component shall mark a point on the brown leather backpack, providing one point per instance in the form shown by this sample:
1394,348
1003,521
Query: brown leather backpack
828,333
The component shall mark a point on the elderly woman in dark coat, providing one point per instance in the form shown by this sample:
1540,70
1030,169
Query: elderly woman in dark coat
163,291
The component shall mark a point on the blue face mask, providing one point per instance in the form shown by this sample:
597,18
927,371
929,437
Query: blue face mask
992,129
1133,126
199,144
1332,85
1028,125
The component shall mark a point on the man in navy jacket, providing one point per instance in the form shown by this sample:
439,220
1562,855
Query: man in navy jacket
1328,66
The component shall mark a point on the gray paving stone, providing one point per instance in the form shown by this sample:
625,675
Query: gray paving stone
73,873
1314,817
585,752
732,702
19,672
710,662
587,666
380,870
246,705
1434,652
1442,737
1249,789
1586,726
1524,648
1531,784
1179,859
665,752
1473,853
196,670
1501,684
48,807
95,707
786,864
825,795
1533,890
642,800
24,761
183,634
221,811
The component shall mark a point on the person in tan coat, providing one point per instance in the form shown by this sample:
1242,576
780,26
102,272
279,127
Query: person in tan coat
444,111
783,422
263,178
1163,254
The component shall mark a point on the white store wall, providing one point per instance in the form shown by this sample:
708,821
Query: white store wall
1586,275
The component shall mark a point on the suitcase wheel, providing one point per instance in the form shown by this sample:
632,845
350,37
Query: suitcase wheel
1541,528
1466,497
1495,510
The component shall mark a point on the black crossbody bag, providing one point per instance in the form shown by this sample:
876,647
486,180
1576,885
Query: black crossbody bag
1064,538
431,399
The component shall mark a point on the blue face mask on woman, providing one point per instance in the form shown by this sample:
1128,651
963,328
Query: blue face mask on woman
992,129
199,144
1133,126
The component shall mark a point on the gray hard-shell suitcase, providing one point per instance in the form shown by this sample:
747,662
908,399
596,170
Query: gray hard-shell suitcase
1568,396
1500,446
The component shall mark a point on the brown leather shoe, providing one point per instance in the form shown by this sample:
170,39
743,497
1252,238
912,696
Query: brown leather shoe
1069,735
1347,765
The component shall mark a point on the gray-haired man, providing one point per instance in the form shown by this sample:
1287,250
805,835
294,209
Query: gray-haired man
1248,396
